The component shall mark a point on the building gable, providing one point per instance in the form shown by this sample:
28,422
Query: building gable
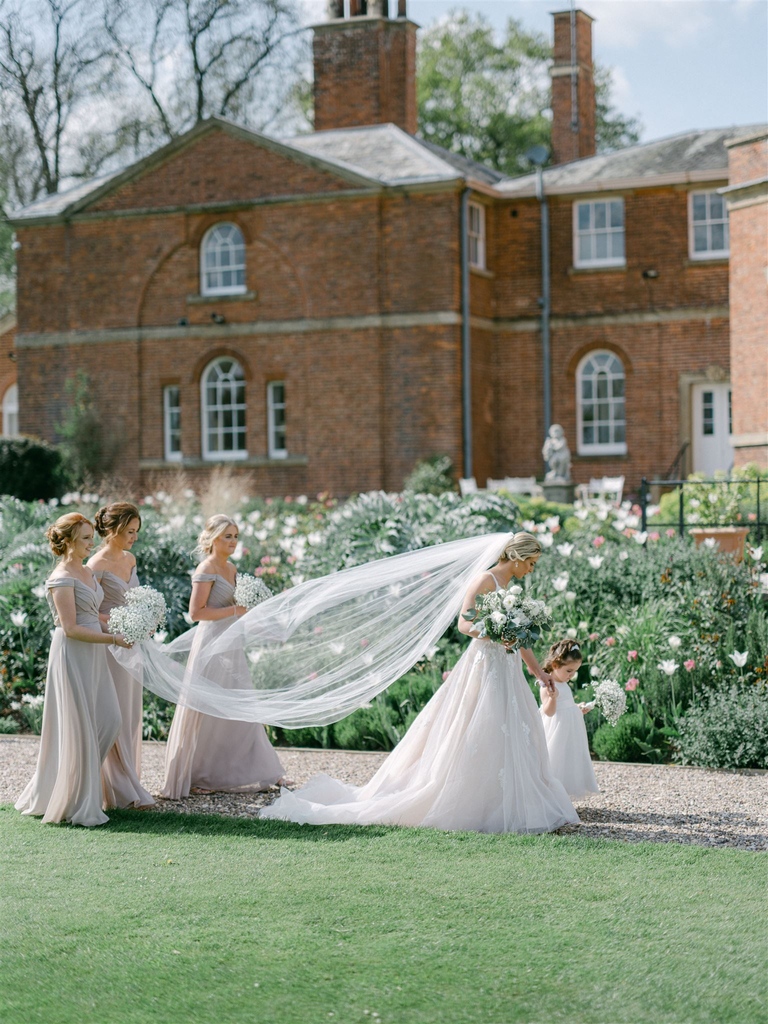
219,164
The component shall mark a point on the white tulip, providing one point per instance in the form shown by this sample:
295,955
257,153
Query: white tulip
623,555
546,540
564,549
756,553
571,633
560,582
583,626
674,642
18,618
594,671
640,537
595,561
570,596
668,667
739,658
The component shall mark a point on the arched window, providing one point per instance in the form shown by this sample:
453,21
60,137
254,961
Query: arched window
222,261
11,412
223,410
600,406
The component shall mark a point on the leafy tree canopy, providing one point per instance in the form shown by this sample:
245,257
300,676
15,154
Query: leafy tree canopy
489,99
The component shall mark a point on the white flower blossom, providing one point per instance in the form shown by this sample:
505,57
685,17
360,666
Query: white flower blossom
674,642
595,561
739,658
611,699
640,537
623,555
583,626
668,667
756,553
250,591
19,618
710,542
560,582
565,549
594,671
142,614
570,596
546,540
515,589
571,633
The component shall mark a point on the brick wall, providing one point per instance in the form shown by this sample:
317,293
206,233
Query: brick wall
7,364
748,162
568,144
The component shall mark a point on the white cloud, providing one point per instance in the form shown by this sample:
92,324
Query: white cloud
630,23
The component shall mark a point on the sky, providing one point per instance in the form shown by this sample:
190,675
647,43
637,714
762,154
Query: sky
678,65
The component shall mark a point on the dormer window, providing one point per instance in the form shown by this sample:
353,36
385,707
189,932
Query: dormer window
222,261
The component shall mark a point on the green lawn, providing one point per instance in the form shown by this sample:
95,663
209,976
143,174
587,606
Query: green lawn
159,918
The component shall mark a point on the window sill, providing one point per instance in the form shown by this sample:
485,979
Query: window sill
197,463
482,272
624,454
707,261
609,268
199,300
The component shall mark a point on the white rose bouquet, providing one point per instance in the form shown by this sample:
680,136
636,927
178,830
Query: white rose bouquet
611,699
510,618
250,590
142,615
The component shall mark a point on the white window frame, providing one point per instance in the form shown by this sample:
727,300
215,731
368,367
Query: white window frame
707,254
11,411
597,447
208,242
217,454
273,428
476,237
608,261
170,432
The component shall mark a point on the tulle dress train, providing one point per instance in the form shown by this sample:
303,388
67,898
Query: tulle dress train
122,766
474,759
215,753
81,720
568,745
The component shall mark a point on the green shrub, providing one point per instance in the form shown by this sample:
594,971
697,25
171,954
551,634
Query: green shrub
633,738
8,726
31,470
729,730
431,476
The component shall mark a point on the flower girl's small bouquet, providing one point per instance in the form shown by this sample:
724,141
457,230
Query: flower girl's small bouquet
250,590
611,699
142,615
510,618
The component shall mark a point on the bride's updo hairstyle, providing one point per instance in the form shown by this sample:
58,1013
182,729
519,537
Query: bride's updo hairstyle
519,547
561,653
65,531
114,518
213,528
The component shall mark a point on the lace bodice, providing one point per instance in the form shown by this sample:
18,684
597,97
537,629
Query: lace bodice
87,600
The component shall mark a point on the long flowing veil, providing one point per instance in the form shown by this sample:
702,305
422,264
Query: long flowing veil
315,653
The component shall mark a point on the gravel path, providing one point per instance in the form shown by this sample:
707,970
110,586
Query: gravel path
656,803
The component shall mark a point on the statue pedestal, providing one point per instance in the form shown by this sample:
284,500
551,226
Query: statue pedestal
562,493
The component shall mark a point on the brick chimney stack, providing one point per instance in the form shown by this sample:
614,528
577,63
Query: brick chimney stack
365,66
573,88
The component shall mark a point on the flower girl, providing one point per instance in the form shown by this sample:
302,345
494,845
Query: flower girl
564,722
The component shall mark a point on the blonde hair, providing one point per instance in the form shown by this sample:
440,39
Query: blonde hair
561,653
519,547
114,518
214,527
64,532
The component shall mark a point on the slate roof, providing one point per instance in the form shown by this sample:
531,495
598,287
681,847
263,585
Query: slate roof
688,156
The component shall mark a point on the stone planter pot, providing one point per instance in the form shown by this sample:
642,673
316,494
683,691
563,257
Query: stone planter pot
730,540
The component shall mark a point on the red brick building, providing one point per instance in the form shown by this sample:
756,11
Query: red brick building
747,197
326,310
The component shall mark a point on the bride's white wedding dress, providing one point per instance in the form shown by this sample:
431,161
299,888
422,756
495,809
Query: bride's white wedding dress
475,759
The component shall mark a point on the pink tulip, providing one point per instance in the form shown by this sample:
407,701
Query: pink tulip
752,516
266,560
598,542
654,536
670,532
610,641
632,684
690,665
445,675
631,655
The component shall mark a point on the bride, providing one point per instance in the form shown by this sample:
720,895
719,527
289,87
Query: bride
474,759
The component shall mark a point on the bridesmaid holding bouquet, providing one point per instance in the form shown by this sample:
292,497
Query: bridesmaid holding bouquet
114,567
206,754
81,714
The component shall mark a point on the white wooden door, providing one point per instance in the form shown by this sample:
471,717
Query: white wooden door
711,427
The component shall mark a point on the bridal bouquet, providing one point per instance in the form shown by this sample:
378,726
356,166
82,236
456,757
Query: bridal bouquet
611,699
250,591
510,618
142,615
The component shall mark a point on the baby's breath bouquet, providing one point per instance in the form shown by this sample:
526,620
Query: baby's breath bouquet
250,590
510,618
142,614
611,699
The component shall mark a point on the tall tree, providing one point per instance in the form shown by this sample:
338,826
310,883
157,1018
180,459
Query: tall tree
488,99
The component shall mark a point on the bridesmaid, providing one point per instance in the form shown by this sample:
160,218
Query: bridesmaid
114,567
81,715
206,754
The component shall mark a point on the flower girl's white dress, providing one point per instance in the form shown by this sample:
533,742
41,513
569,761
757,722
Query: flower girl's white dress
474,759
568,745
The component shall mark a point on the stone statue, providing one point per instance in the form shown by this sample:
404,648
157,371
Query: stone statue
558,455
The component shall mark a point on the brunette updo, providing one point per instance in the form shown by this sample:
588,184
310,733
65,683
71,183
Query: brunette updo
213,528
519,547
64,532
115,518
561,653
